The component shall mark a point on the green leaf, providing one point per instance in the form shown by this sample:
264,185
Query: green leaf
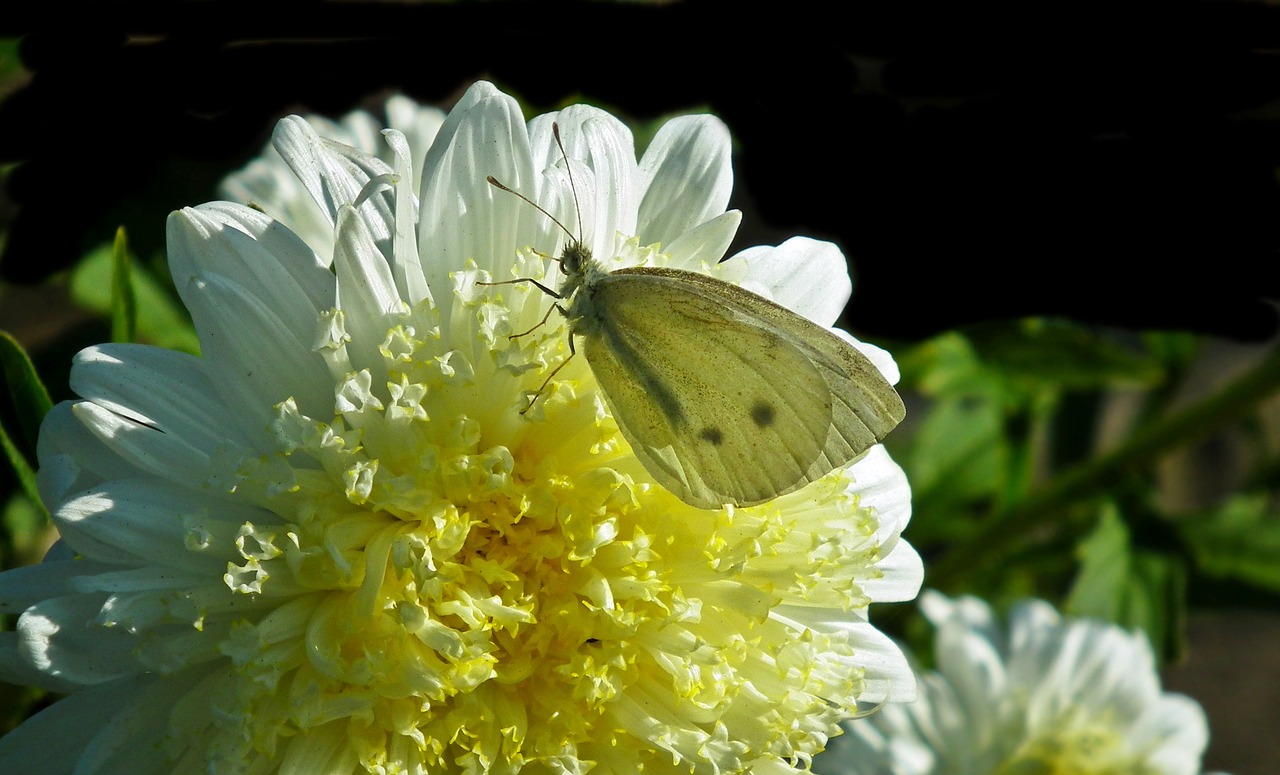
1133,588
944,366
959,446
1104,569
124,305
1240,541
30,403
1173,349
160,319
28,530
1063,354
24,470
26,392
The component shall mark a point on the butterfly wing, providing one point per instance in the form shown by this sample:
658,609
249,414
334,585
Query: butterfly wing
725,396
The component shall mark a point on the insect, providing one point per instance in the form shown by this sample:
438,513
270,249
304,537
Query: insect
725,396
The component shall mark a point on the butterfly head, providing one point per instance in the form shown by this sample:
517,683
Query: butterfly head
574,258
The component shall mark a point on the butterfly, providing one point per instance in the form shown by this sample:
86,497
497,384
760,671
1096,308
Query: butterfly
725,396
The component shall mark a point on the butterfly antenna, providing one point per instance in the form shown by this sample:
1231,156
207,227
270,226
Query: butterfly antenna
568,168
494,182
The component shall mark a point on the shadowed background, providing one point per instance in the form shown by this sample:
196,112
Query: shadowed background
1112,164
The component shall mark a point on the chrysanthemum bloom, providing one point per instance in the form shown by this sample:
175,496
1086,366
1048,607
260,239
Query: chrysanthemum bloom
1052,696
335,544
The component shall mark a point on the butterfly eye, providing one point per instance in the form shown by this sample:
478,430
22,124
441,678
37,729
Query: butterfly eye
573,257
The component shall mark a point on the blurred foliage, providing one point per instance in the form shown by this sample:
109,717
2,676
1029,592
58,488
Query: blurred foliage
1037,452
26,402
158,317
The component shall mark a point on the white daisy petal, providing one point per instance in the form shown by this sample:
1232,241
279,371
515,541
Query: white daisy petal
22,588
293,272
73,458
888,677
61,733
53,638
706,243
418,123
334,173
161,389
605,144
254,353
685,176
139,521
805,275
367,293
484,135
1176,733
149,450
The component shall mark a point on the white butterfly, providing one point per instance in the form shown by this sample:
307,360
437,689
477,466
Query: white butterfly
725,396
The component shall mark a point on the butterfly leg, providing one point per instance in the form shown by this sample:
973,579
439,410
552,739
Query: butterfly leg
556,370
541,287
543,322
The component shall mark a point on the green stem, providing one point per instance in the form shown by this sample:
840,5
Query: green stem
1005,530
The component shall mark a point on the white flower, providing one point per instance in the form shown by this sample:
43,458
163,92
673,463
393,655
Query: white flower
334,544
1050,697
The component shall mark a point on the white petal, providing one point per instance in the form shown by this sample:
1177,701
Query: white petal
367,292
973,666
21,588
335,174
419,124
255,360
881,485
293,265
16,670
159,388
1032,623
461,216
145,448
706,243
58,637
72,458
406,265
1177,731
805,275
969,614
202,242
903,571
889,677
268,184
605,145
686,177
359,129
56,736
143,522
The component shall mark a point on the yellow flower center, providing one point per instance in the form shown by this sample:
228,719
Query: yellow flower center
1076,748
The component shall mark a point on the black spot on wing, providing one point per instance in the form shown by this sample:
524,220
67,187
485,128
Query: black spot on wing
712,435
763,414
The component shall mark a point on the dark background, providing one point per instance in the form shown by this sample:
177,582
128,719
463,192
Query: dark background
1115,163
